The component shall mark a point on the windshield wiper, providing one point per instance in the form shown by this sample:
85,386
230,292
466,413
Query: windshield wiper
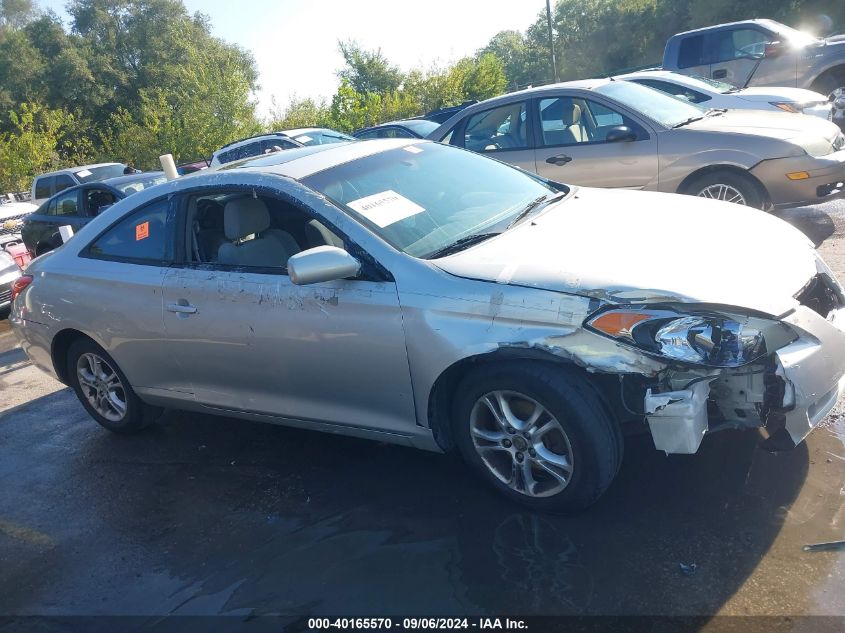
531,206
692,119
715,111
461,244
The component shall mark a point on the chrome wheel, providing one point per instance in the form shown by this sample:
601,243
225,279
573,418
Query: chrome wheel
521,443
837,98
101,386
724,192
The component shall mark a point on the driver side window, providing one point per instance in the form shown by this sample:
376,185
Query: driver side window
573,121
501,128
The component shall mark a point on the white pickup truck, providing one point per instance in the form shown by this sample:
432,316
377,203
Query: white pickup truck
762,53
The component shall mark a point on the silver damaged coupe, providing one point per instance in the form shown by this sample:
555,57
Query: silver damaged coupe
421,294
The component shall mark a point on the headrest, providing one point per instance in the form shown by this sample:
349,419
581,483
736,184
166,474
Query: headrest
245,216
572,115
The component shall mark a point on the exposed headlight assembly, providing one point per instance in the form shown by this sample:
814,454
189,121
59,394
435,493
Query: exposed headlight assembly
708,339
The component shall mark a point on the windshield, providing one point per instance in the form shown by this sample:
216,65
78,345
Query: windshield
134,186
422,127
90,174
658,106
718,86
322,137
424,197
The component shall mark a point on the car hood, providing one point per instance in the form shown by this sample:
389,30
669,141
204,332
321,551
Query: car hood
630,246
794,95
777,125
14,209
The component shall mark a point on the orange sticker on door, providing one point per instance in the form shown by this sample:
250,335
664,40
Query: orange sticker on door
142,231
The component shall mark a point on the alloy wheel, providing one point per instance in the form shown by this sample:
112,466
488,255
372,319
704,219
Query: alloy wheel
837,98
101,386
724,192
521,443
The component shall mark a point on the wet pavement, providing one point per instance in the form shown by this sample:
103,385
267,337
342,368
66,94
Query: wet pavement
208,515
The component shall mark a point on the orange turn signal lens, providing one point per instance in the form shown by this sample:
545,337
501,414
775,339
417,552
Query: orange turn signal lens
798,175
618,323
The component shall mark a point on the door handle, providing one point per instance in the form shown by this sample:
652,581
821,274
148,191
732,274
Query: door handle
181,308
721,73
560,159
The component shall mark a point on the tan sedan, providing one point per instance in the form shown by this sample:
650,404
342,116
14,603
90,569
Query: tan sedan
610,133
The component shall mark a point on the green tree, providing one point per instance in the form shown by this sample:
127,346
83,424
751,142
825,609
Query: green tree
35,145
368,71
299,113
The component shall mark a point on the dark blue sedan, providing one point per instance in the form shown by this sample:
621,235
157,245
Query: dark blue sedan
76,206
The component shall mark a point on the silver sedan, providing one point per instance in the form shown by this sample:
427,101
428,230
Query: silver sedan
416,293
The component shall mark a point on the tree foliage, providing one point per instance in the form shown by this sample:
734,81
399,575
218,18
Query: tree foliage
133,79
34,144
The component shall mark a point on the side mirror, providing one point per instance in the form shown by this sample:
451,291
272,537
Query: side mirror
772,49
322,263
620,133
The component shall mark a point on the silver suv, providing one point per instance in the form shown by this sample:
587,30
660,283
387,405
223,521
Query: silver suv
51,183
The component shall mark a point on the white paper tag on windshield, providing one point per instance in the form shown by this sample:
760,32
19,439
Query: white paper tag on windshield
303,139
385,208
413,149
83,174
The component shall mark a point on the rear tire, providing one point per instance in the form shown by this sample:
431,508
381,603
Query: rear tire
560,459
727,186
104,391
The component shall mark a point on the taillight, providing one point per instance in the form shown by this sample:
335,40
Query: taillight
19,284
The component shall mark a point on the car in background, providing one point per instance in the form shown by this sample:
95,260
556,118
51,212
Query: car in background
406,128
12,215
761,53
191,167
608,133
51,183
415,293
718,94
252,146
317,136
77,206
441,115
10,272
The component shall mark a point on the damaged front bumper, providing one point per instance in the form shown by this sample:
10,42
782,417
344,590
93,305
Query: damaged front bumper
788,394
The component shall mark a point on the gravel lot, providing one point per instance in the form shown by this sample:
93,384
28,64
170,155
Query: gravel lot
207,515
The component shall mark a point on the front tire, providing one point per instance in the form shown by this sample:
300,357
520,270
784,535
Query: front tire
832,85
104,391
727,186
538,433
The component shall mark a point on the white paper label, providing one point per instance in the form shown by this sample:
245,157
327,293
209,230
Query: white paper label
83,174
303,139
385,208
413,149
66,232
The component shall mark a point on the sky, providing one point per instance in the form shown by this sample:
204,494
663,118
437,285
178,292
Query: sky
295,41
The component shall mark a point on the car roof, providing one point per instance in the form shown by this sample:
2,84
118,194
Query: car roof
302,130
73,170
121,180
252,139
762,22
667,75
301,162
